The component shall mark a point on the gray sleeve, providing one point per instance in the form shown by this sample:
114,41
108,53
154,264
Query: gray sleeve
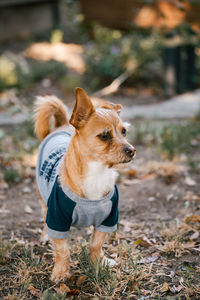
56,234
107,229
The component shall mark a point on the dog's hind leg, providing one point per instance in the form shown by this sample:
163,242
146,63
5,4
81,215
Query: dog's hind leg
61,268
97,242
44,237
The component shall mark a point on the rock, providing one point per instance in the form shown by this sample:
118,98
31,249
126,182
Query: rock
26,190
28,209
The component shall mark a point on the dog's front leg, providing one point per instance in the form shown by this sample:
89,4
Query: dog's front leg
61,268
97,241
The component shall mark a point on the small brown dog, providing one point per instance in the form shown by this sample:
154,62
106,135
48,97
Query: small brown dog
76,171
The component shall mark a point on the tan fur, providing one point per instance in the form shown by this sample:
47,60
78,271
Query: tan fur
45,108
98,239
61,269
85,147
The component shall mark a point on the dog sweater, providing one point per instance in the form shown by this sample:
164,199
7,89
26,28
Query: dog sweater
65,208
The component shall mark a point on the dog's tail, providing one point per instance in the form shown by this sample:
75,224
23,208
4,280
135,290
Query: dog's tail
46,108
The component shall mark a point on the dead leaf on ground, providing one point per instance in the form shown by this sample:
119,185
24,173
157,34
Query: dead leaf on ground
191,196
63,288
73,292
149,176
26,190
133,286
35,292
189,181
192,219
142,243
132,173
149,259
127,225
81,279
28,209
176,289
3,185
194,236
165,287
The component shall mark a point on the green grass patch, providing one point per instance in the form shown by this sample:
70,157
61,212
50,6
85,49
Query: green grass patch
170,139
12,175
177,139
17,71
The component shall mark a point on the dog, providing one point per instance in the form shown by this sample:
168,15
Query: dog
76,171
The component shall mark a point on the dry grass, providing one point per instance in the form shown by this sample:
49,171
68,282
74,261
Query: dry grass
142,271
176,239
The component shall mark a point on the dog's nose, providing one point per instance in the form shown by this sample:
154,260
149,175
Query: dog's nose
130,151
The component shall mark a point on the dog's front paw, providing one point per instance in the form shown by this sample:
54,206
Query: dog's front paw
60,273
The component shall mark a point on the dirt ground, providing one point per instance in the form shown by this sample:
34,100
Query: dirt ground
155,252
142,200
159,221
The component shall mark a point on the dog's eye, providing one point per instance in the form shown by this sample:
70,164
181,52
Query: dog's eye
105,136
124,131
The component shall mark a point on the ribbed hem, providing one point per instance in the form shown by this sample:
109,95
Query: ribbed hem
56,234
86,201
107,229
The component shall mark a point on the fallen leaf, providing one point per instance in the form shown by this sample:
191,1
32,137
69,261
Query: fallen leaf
4,185
169,197
191,196
35,292
194,236
26,190
192,219
73,278
127,225
149,176
142,243
73,292
165,287
175,289
132,173
110,262
81,279
149,259
172,274
28,209
133,286
64,288
189,181
151,199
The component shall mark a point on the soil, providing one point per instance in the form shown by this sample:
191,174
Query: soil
141,201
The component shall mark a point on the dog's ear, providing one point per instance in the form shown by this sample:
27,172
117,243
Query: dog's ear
109,105
82,110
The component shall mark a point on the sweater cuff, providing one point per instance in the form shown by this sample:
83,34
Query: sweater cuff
107,229
56,234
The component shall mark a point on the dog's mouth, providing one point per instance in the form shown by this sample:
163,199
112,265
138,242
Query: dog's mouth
125,161
122,164
128,160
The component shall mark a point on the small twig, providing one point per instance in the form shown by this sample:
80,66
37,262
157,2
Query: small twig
114,86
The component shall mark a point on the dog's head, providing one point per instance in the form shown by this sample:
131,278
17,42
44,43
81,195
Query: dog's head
100,132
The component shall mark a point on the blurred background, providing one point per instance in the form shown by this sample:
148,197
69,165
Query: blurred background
143,54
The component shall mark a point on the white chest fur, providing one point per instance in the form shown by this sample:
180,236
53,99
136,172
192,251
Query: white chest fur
99,181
